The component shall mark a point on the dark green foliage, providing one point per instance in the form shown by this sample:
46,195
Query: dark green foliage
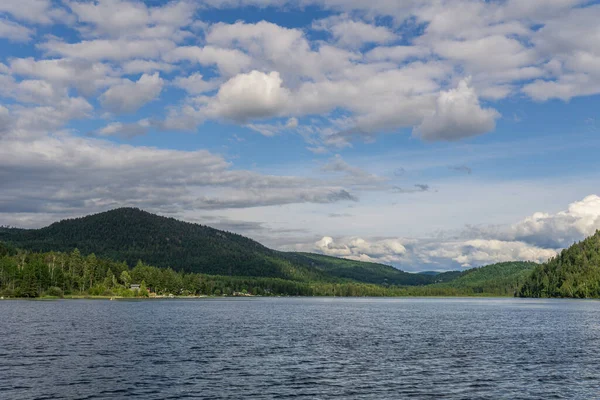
130,235
575,272
500,279
27,274
360,271
54,292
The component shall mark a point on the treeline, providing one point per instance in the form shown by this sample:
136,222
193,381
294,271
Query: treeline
575,273
32,274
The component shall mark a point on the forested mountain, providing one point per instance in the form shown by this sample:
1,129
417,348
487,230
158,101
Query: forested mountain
496,279
575,272
32,274
130,234
359,271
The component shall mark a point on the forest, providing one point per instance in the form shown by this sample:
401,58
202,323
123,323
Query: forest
103,254
574,273
57,274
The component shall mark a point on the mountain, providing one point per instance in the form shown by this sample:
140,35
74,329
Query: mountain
430,273
359,271
575,272
496,279
130,234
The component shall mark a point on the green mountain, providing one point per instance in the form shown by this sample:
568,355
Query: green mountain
130,234
496,279
358,270
575,272
431,273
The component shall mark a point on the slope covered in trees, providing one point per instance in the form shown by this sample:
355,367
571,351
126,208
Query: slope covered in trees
130,234
575,272
32,274
502,279
359,270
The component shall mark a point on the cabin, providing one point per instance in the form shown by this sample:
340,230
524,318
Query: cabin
135,286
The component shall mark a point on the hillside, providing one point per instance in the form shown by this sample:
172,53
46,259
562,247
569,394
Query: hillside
575,272
360,271
496,279
129,234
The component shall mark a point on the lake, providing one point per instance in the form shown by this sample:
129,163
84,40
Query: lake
312,348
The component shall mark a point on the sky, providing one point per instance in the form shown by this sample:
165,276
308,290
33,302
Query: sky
424,134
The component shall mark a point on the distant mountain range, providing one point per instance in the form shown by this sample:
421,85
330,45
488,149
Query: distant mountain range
130,234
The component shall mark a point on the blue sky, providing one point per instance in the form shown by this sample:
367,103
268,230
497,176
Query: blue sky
424,134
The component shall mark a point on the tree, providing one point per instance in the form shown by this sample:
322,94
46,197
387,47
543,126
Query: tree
125,279
143,292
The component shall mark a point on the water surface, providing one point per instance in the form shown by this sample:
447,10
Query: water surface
315,348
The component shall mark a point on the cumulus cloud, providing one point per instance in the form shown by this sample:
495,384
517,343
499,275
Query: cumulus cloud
457,115
194,84
352,33
478,252
129,96
28,10
385,250
229,61
120,18
13,31
85,76
109,49
537,238
249,96
581,219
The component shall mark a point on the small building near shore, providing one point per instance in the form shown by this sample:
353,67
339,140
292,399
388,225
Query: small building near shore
135,286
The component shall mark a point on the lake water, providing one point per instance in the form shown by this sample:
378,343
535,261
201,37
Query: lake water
263,348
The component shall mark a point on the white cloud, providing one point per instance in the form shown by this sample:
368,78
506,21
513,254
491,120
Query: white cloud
478,252
120,49
536,238
83,75
229,61
144,66
195,84
458,114
248,96
562,229
5,120
28,10
129,96
383,251
276,48
13,31
36,121
125,130
118,18
274,129
396,54
354,33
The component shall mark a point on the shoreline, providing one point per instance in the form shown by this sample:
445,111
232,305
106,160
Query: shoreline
119,298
